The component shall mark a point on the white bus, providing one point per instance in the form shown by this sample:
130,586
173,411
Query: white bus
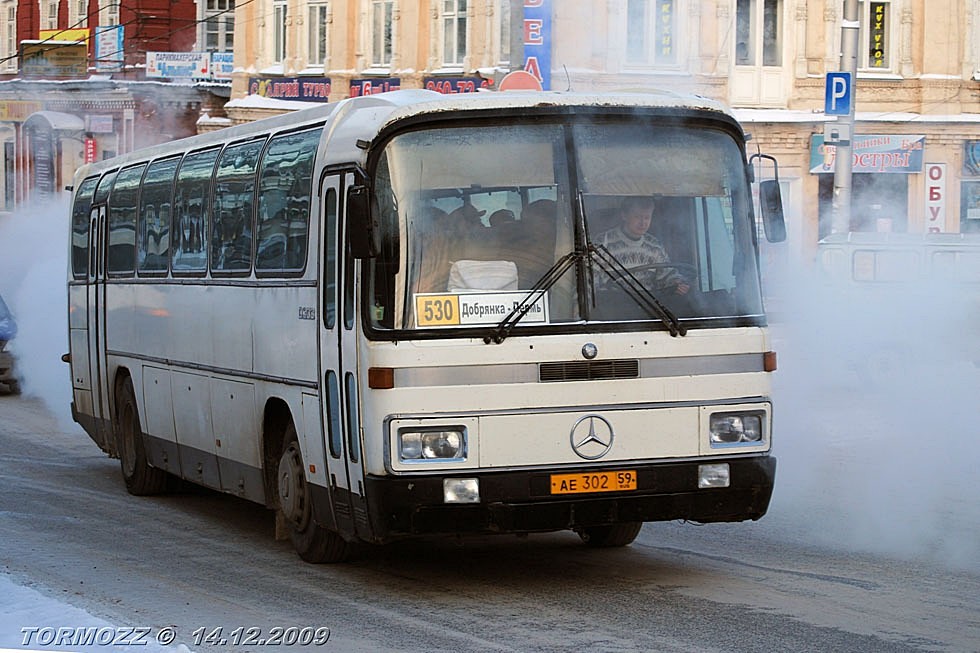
395,315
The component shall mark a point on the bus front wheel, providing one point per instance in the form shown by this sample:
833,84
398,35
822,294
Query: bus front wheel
610,535
312,542
141,479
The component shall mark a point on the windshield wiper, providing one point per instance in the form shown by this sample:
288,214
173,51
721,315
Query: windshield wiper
609,264
537,291
638,292
612,266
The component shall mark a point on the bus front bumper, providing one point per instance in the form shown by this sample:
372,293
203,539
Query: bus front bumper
521,501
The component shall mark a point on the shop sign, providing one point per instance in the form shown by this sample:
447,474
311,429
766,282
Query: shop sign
90,150
53,59
222,65
537,40
935,198
971,159
109,49
42,146
77,34
450,85
297,89
98,124
664,32
18,110
178,65
359,87
874,153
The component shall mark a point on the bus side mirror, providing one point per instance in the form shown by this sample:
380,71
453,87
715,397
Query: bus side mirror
364,230
771,206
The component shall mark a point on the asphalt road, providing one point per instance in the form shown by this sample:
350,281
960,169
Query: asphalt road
197,559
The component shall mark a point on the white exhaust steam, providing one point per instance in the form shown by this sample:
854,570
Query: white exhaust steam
877,417
33,274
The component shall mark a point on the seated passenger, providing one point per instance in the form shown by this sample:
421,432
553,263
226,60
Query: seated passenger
534,252
501,218
435,251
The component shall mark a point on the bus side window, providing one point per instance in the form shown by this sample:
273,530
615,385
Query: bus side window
190,217
283,218
154,242
122,221
80,228
330,260
231,235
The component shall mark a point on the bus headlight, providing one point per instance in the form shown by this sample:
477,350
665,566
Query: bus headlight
729,428
445,444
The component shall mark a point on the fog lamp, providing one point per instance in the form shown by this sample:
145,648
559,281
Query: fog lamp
461,490
714,475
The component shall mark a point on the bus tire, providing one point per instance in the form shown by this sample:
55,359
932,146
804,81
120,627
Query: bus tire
610,535
312,542
141,479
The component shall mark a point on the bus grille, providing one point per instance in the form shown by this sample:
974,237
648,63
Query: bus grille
589,370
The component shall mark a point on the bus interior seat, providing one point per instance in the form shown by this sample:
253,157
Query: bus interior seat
469,274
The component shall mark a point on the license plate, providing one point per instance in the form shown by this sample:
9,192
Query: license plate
593,482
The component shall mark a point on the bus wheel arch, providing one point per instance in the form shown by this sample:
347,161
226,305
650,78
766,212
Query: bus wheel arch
288,493
294,506
140,477
275,422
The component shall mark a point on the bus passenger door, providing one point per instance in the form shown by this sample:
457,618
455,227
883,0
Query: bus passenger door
96,329
349,384
331,375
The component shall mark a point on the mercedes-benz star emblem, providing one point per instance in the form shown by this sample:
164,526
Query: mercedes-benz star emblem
592,437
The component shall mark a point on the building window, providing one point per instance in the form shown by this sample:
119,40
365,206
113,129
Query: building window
651,32
279,31
10,38
51,19
317,55
81,14
219,26
381,26
970,207
759,33
875,39
453,31
108,12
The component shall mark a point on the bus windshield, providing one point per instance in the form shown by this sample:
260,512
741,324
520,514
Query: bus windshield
594,214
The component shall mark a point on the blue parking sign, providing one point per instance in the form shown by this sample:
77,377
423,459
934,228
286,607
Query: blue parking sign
837,98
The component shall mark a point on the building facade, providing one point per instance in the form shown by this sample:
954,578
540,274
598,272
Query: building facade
917,131
75,85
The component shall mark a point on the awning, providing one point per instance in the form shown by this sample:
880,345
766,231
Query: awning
55,120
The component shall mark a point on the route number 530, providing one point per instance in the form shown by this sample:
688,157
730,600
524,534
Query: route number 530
437,310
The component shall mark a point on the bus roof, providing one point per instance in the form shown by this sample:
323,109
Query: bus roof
359,119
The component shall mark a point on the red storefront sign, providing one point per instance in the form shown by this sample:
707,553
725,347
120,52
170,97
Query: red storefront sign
90,150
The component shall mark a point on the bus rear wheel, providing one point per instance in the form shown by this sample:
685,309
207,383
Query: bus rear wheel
312,542
610,535
141,479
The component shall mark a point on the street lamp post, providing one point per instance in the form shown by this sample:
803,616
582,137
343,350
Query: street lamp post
843,163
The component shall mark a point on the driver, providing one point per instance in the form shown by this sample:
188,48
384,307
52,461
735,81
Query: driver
636,249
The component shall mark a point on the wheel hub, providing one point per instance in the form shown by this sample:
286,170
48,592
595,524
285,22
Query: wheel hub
292,486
